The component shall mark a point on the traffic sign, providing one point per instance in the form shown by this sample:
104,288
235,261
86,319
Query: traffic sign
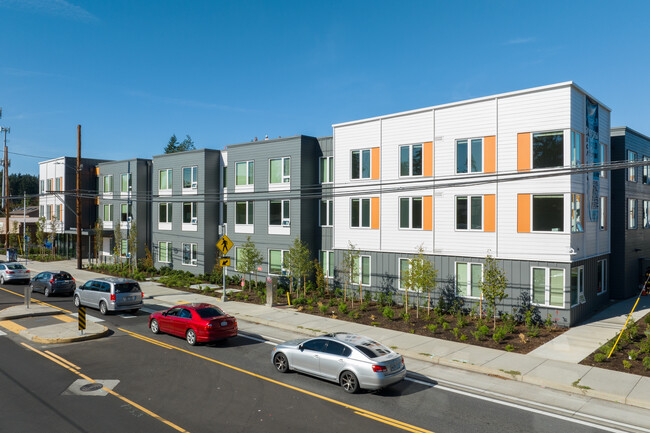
224,244
224,261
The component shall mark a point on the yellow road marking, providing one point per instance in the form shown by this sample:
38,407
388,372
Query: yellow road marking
182,302
12,326
37,301
110,391
152,341
63,360
357,410
65,318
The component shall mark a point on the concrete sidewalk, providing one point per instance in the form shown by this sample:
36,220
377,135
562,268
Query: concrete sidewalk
553,365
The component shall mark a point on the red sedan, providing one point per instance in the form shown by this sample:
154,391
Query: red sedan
197,323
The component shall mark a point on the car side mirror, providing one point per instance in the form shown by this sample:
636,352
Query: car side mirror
164,313
301,348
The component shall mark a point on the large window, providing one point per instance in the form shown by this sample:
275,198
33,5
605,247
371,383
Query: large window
361,164
190,214
548,213
276,262
58,212
190,178
50,214
164,212
410,160
576,149
360,212
244,212
577,216
631,213
189,254
124,213
58,182
326,213
164,252
108,212
469,156
601,277
124,248
327,263
548,286
327,169
548,149
125,182
165,181
108,184
362,265
577,285
631,171
279,213
469,213
244,173
603,213
646,214
410,213
468,278
280,170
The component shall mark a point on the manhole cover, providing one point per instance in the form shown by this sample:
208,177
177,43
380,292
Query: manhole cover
91,387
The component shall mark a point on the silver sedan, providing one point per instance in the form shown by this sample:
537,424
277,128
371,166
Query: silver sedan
354,361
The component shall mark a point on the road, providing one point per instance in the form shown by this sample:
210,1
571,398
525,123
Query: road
161,384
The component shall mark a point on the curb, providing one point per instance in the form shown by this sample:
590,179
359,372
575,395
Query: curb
36,339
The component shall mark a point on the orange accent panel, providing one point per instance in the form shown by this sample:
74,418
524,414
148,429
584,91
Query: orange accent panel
374,174
523,151
489,212
427,204
374,212
97,200
96,171
490,153
523,213
427,156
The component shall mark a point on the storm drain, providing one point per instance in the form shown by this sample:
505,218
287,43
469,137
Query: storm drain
90,389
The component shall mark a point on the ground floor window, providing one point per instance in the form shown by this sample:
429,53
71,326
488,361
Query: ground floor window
276,262
577,285
601,278
124,247
164,250
468,277
189,254
327,262
548,286
362,263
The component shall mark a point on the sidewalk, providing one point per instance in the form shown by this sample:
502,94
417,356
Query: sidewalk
553,365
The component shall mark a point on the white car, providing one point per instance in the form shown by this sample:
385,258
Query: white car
14,272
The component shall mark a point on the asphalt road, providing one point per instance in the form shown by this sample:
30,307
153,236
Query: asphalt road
166,385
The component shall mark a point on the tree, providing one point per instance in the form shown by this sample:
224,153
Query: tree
24,183
298,262
99,239
133,244
321,282
422,275
249,258
175,146
51,236
350,267
493,286
40,234
117,237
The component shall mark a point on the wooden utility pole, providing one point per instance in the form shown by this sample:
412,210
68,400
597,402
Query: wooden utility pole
6,193
78,198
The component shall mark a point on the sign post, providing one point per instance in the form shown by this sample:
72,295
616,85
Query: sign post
81,315
224,244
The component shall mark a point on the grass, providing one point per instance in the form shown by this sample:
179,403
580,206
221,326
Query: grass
576,384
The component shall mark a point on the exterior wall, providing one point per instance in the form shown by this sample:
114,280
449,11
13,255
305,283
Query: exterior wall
630,247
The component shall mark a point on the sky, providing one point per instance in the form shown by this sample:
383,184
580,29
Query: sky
132,73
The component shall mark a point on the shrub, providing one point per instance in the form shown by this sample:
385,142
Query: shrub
343,308
331,303
644,346
633,354
605,349
374,323
646,319
388,312
354,314
481,333
445,325
405,316
461,320
363,306
431,327
509,322
456,332
323,309
510,348
646,362
600,357
533,331
499,334
627,364
463,337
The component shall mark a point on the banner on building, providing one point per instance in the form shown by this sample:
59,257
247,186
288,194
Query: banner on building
593,157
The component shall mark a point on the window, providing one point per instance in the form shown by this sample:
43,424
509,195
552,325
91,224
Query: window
326,213
164,250
577,285
165,183
124,247
577,218
124,213
225,176
108,183
646,170
125,182
548,149
646,214
190,177
108,212
57,209
279,213
601,278
548,213
631,171
49,212
189,213
280,170
469,156
468,278
360,212
361,164
603,158
327,169
41,211
327,263
276,262
469,213
50,184
362,264
189,254
58,183
410,213
631,213
404,267
410,160
603,213
576,149
244,212
165,213
244,173
548,286
42,189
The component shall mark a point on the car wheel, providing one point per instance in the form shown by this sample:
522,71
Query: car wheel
155,327
190,336
281,362
2,279
46,292
103,308
77,301
349,382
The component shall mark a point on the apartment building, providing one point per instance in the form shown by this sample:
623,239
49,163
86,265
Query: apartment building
630,222
187,197
124,203
507,175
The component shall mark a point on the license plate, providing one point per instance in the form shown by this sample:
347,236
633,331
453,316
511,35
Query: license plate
224,323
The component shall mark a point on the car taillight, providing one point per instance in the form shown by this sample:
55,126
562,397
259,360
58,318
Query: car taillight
378,368
209,325
27,271
52,281
10,272
403,363
112,297
142,294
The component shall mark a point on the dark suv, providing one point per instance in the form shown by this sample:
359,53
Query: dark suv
53,282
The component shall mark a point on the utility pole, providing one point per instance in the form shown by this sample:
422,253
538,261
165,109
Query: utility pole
6,184
25,225
78,198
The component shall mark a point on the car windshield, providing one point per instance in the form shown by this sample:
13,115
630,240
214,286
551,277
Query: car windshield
127,287
15,266
209,312
63,276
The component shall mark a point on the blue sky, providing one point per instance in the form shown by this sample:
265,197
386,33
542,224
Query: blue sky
134,72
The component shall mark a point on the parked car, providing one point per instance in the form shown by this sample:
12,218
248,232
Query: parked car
110,294
53,283
354,361
197,323
13,272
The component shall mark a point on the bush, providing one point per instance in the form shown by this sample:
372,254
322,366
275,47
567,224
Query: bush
499,334
646,362
481,333
463,337
510,348
405,316
323,309
343,308
461,320
627,364
388,312
363,306
456,332
445,325
533,331
644,346
431,327
600,357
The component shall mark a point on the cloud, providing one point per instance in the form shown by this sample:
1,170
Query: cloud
519,41
187,102
59,8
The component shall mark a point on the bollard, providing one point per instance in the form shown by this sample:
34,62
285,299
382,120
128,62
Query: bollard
28,296
81,315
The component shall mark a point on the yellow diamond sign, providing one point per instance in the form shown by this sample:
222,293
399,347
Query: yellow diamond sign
224,244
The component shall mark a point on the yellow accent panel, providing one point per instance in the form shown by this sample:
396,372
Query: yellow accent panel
489,212
523,151
523,213
427,156
374,174
12,326
374,213
427,204
490,153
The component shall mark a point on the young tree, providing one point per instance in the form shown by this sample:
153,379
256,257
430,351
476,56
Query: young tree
14,234
117,238
321,283
493,286
249,259
350,267
298,262
424,275
133,244
174,145
99,239
51,236
40,233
